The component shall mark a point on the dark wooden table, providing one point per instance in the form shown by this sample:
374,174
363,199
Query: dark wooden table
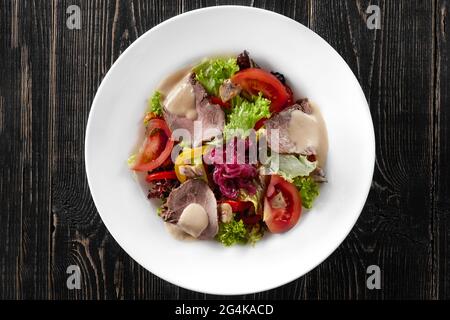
48,78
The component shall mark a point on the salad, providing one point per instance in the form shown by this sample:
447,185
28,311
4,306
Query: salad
230,151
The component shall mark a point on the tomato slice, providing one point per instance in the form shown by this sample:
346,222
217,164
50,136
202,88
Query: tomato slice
170,175
282,205
290,94
156,148
255,80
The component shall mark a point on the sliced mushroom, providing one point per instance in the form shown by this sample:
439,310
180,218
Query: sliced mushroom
192,171
229,90
226,212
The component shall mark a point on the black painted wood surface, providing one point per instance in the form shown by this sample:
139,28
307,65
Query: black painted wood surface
48,78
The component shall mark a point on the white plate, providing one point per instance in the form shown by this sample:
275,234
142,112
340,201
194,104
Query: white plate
313,69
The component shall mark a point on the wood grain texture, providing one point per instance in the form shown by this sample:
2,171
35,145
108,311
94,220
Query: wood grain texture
49,76
441,151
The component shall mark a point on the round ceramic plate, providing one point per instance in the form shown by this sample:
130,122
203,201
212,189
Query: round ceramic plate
312,68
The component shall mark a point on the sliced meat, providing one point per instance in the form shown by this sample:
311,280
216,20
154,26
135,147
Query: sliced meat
299,129
318,175
176,122
193,191
210,116
304,105
281,121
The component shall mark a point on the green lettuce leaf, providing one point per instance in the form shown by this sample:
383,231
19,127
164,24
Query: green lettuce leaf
244,115
309,190
213,72
289,166
154,104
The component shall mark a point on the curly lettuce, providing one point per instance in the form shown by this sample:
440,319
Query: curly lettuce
309,190
236,232
255,234
213,72
244,115
154,104
231,233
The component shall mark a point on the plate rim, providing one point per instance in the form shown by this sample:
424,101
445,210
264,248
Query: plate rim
252,10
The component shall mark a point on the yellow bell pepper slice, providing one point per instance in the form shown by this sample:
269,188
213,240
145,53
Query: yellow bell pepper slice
190,161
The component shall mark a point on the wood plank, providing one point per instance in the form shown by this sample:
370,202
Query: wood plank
441,153
80,238
50,75
395,66
25,152
10,159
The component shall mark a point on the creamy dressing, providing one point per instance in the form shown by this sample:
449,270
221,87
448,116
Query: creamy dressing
177,233
179,94
193,220
309,131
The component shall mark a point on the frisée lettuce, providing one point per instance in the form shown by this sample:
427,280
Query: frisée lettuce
232,233
309,190
154,104
245,114
236,232
212,73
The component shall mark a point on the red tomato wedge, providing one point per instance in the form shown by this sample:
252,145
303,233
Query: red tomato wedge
170,175
254,80
156,148
282,205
